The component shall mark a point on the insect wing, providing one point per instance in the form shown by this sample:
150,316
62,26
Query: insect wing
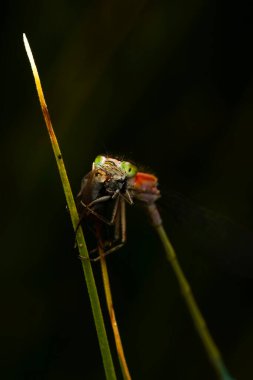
207,236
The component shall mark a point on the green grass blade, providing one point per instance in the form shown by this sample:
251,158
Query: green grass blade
90,282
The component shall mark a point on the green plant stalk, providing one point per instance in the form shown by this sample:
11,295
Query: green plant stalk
92,290
108,295
200,324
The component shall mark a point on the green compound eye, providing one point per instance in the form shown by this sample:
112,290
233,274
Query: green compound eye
128,168
99,160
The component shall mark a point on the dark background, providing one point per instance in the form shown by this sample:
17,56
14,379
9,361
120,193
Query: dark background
169,85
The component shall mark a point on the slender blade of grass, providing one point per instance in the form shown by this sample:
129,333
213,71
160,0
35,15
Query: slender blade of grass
87,269
108,295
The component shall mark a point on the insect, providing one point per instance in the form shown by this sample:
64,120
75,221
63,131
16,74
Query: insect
101,201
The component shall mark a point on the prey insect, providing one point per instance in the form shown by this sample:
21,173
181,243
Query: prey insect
104,192
101,201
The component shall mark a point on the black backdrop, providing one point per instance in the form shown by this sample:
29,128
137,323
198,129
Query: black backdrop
169,85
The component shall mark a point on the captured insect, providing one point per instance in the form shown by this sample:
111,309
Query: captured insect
104,192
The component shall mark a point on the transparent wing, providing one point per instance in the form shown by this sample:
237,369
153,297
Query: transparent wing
220,240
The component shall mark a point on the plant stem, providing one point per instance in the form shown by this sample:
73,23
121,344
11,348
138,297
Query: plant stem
108,296
92,290
200,324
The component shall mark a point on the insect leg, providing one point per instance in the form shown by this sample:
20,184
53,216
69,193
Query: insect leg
87,207
100,217
98,200
119,214
127,197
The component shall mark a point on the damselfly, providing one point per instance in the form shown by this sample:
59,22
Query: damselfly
112,183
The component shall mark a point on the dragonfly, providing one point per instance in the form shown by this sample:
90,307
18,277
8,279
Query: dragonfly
105,190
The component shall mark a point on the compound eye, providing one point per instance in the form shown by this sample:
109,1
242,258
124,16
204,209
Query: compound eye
99,160
129,168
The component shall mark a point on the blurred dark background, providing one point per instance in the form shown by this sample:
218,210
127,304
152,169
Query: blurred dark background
169,85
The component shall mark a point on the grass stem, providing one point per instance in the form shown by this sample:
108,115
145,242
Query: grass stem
109,302
92,290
